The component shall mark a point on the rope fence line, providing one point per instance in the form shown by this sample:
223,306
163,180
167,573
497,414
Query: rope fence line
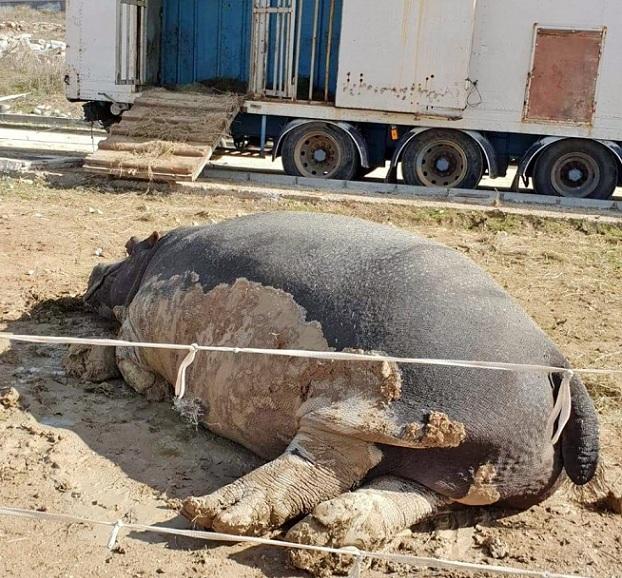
358,555
561,412
299,353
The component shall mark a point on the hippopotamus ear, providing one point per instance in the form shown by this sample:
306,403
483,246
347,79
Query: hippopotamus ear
153,239
131,244
148,243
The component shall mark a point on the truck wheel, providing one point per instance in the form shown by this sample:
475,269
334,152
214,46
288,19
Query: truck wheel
319,150
443,158
576,168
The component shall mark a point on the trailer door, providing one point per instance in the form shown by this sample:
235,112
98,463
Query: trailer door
406,55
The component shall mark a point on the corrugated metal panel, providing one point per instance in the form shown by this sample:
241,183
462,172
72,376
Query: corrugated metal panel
205,40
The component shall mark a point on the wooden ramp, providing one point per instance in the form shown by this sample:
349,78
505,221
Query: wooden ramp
166,136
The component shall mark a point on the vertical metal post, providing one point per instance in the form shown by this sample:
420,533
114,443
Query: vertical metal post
119,41
291,39
262,137
253,70
300,8
277,52
144,39
316,19
129,21
282,20
329,48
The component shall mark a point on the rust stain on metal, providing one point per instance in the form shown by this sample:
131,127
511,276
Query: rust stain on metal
564,76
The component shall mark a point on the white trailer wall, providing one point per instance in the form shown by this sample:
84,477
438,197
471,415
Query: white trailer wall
406,55
423,58
502,57
91,52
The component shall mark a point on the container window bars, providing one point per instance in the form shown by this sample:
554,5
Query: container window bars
278,56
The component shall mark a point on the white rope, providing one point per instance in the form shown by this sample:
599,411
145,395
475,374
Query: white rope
563,407
180,384
299,353
357,567
561,412
114,535
418,561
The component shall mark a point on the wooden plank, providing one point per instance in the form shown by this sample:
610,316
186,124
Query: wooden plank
165,156
144,145
139,175
194,105
133,116
128,132
172,164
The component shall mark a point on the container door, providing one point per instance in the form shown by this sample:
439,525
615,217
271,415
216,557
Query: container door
273,47
131,42
406,56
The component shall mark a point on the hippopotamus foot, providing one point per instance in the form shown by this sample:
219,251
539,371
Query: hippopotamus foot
91,363
139,377
317,466
366,519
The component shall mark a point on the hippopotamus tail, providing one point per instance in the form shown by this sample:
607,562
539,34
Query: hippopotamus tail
580,441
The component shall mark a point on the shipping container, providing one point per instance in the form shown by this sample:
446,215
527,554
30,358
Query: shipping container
451,90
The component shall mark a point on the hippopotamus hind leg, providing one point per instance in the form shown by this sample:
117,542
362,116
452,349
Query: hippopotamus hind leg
139,376
317,466
366,519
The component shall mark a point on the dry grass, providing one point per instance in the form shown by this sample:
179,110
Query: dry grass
31,18
26,71
22,70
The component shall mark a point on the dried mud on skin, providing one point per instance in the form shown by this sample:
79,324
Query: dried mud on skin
105,452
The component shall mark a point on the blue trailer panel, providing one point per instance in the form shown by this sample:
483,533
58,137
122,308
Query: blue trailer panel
210,40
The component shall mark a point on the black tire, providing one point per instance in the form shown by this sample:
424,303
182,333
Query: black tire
576,168
443,158
320,150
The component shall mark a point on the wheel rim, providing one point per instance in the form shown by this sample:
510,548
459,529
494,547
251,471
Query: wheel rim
575,175
441,163
318,154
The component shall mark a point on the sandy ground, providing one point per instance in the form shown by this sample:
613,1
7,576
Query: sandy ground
102,451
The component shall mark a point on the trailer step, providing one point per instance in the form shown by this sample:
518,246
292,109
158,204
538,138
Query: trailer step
166,136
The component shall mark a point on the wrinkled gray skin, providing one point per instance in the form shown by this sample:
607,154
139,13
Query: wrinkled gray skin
414,439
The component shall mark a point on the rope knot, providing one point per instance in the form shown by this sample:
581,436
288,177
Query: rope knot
180,384
357,568
114,535
562,408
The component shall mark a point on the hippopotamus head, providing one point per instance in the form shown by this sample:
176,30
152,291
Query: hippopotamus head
116,284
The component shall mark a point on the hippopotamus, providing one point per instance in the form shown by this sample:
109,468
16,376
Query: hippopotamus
356,451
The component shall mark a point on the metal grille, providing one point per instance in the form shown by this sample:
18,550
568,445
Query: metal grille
131,40
276,58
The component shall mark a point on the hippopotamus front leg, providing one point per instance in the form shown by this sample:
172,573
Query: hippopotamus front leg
366,519
318,465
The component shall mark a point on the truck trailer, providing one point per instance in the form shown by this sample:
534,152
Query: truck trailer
445,90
